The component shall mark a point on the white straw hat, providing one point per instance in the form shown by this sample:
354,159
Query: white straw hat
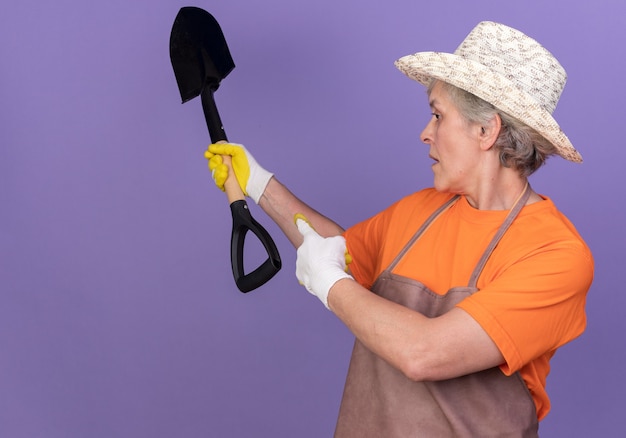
506,68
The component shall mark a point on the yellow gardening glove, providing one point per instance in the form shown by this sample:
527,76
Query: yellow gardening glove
347,256
252,178
219,170
320,262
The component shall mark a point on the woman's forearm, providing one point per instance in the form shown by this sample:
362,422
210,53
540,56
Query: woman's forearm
281,205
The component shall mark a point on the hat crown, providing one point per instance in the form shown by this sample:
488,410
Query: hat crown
517,57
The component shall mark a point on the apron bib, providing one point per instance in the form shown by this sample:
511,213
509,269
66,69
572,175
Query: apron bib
379,401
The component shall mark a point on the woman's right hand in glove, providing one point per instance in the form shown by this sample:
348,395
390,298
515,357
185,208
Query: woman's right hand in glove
252,178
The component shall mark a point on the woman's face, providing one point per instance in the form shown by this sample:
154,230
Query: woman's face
454,145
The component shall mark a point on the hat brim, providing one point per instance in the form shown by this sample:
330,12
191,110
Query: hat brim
494,88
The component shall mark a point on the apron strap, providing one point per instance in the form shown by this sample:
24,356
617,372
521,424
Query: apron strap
517,207
513,213
421,231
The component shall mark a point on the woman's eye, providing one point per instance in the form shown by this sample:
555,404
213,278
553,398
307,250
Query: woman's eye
436,116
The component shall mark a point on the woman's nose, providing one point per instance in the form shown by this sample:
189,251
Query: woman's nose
426,135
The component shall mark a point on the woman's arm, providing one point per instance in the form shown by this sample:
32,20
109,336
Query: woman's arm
281,205
233,165
422,348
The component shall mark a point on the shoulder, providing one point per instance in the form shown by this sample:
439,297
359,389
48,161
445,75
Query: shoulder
544,225
543,244
420,203
414,207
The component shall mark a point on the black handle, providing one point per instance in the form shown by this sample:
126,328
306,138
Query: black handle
242,219
212,116
242,223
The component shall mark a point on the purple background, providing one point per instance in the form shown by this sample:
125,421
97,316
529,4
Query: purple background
118,313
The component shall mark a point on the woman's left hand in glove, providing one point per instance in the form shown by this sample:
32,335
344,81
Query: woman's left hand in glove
321,262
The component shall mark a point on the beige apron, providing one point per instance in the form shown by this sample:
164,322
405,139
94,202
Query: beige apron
379,401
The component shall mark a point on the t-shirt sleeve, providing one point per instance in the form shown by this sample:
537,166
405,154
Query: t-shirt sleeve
537,304
364,242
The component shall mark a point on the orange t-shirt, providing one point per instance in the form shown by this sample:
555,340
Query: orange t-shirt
532,290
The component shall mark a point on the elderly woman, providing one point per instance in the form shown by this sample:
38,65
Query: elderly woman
458,295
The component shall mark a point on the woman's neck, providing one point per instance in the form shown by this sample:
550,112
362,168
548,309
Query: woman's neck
499,191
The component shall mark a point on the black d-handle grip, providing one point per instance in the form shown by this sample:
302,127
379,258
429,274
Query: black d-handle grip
242,223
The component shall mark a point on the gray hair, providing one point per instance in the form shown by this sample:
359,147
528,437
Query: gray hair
520,147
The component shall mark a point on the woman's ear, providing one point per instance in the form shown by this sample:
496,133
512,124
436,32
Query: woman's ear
489,132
